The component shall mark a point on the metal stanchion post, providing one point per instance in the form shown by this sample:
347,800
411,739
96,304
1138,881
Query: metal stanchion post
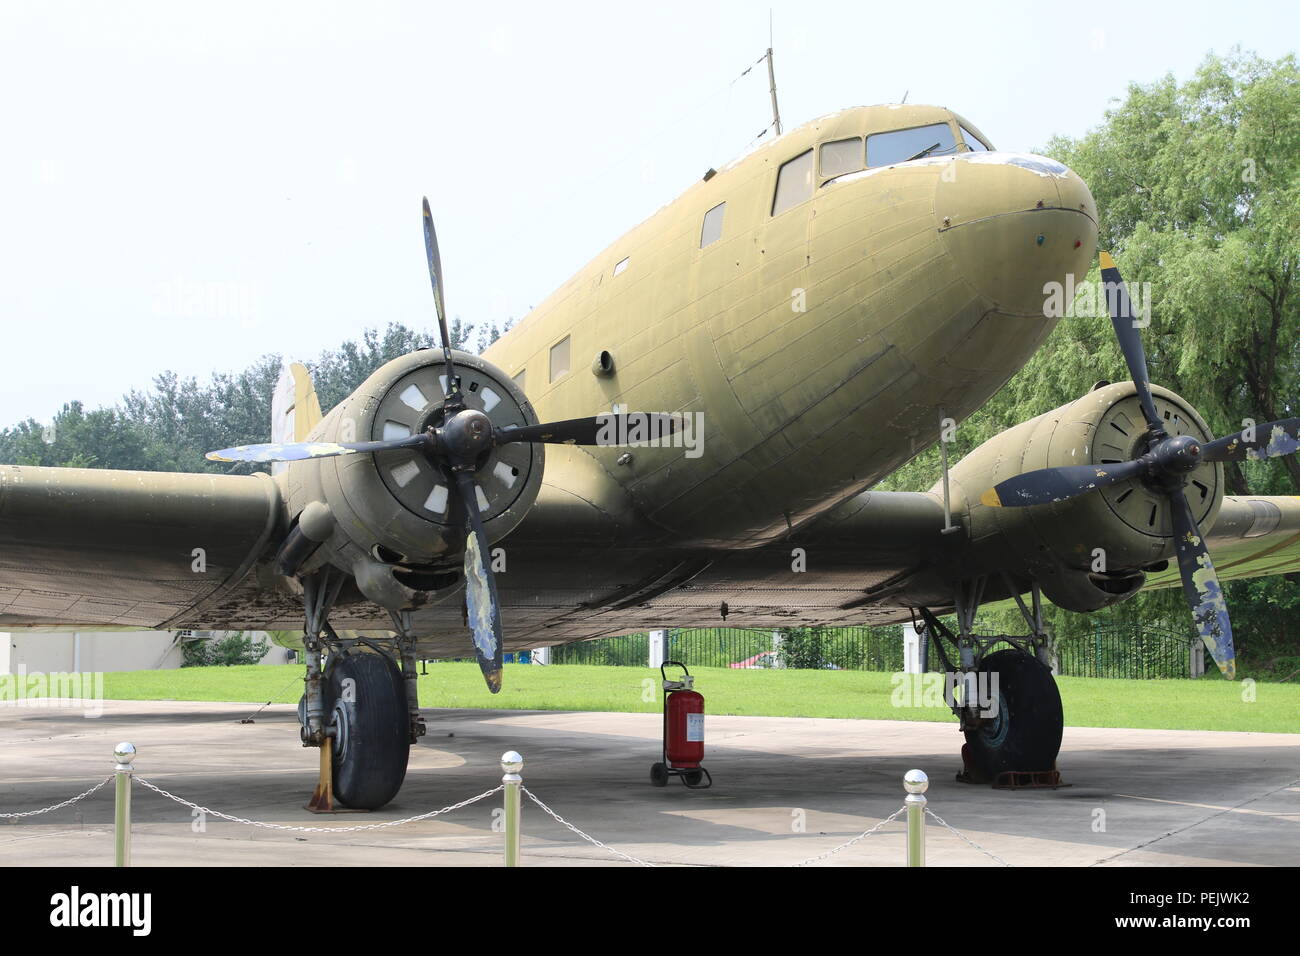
512,763
915,782
123,753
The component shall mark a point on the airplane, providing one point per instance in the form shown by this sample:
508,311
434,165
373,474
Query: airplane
796,326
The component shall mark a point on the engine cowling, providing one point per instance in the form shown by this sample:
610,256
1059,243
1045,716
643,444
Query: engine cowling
389,519
1091,551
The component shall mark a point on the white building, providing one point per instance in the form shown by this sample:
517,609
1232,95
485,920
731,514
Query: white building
102,651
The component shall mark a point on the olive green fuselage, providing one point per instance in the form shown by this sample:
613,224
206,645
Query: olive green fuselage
819,344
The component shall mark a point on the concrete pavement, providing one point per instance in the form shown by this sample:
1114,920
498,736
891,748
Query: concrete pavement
785,790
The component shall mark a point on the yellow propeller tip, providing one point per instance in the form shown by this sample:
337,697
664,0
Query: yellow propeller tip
1106,261
991,498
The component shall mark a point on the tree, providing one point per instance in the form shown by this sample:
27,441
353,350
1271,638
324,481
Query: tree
104,438
174,423
229,650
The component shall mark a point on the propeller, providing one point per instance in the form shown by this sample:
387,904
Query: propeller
453,397
301,451
1164,466
455,448
606,429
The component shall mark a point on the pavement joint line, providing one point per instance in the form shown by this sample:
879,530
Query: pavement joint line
1195,823
1276,814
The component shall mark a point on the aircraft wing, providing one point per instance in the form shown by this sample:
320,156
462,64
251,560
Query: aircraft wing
872,559
865,561
91,548
1253,537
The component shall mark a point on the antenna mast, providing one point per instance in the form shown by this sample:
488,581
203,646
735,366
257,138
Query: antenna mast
771,81
771,75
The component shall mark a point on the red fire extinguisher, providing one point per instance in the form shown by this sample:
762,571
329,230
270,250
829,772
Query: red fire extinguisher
683,744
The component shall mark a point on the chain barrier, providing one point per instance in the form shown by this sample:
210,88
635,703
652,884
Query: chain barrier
285,826
590,839
953,829
475,799
816,859
844,846
57,806
632,859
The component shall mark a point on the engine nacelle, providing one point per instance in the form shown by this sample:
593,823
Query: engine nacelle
1093,550
389,519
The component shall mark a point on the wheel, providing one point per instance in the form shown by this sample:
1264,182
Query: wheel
366,698
693,778
659,775
1025,734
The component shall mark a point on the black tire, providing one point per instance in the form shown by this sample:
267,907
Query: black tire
1026,734
693,778
373,743
659,775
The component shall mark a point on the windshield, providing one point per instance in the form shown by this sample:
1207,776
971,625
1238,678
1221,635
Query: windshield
973,142
898,146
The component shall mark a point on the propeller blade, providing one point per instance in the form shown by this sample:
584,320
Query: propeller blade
1201,587
1130,339
435,277
1046,485
1272,440
608,429
301,451
484,611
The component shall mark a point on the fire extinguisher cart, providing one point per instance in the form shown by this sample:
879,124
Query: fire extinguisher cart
683,738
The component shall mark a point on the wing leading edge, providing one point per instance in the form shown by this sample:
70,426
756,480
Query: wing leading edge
89,548
1253,537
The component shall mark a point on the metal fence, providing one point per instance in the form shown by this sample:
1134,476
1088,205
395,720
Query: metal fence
1133,651
846,648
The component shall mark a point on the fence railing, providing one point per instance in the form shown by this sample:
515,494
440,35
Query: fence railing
1119,650
1114,651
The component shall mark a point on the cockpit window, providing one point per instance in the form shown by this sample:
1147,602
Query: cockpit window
711,230
793,183
898,146
841,156
975,143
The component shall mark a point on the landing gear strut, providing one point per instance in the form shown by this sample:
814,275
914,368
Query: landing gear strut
1007,700
358,707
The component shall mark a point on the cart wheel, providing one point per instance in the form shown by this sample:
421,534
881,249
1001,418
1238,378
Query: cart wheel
659,775
693,778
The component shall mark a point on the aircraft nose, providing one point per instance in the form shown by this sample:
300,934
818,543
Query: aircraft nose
1014,222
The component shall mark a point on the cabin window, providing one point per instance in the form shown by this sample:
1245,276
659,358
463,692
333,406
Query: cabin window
560,358
519,378
973,142
711,231
840,157
793,183
622,264
898,146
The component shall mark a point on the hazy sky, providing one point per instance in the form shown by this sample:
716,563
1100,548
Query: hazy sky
190,186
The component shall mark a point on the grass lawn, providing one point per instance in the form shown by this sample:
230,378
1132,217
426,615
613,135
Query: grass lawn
1209,704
